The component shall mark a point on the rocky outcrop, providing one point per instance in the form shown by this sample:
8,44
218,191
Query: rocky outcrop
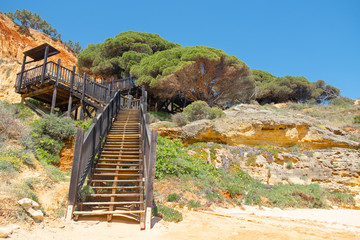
12,45
250,126
357,101
32,208
336,169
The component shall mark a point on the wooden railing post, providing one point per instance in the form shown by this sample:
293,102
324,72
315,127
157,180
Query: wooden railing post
71,91
44,65
75,172
21,74
53,102
150,182
82,111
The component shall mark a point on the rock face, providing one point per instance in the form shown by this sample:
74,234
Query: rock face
336,169
357,101
13,44
257,127
32,208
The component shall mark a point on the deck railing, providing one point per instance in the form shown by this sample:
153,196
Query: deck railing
101,92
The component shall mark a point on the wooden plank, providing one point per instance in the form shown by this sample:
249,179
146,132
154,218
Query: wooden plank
109,203
44,65
151,176
71,91
38,92
107,212
82,111
53,102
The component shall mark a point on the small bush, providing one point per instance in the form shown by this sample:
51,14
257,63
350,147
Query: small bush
173,197
194,204
340,198
357,119
84,124
168,214
14,159
342,102
55,127
289,165
53,172
200,110
180,119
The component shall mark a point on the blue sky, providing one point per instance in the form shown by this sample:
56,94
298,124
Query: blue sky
317,39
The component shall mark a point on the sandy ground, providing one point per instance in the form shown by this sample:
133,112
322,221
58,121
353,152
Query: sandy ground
247,223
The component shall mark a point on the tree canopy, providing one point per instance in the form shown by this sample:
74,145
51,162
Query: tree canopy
198,73
270,88
116,55
33,20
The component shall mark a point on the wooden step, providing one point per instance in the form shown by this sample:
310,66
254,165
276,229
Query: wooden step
119,175
125,194
117,187
118,169
110,203
119,164
98,212
119,180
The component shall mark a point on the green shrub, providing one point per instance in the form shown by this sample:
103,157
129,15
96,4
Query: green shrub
289,165
173,197
200,110
167,213
55,127
14,159
84,124
215,112
53,172
342,102
340,198
357,119
180,119
194,204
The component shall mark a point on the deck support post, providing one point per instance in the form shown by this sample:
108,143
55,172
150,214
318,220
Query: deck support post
22,73
55,88
82,111
44,65
71,91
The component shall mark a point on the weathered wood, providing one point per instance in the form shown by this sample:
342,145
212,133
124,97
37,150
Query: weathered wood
38,92
151,176
55,88
74,180
71,91
22,73
82,111
44,65
34,108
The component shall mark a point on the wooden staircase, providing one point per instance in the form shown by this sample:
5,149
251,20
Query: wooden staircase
117,180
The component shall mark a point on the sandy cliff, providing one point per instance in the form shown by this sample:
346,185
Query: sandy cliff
12,45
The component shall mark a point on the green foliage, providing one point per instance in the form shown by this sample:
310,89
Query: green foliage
117,55
209,182
251,160
33,20
174,197
167,213
342,101
180,119
194,204
357,119
200,110
48,136
159,116
75,46
199,73
11,127
84,124
86,190
270,88
13,159
173,160
289,165
340,198
54,173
